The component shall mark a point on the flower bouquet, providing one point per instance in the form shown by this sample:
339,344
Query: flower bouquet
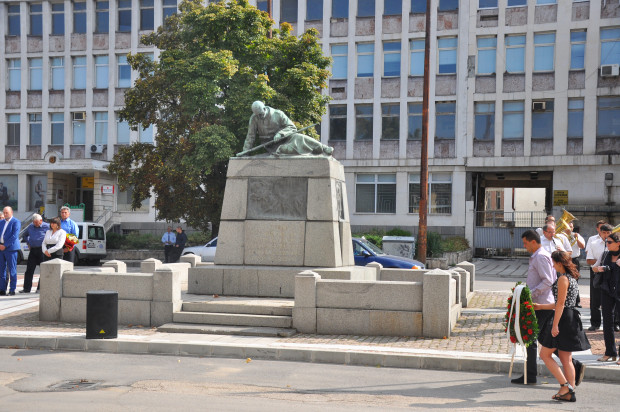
70,242
526,321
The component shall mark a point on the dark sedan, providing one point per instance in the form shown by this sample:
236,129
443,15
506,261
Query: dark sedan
365,252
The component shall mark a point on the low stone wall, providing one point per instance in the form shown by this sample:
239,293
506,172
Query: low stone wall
428,308
143,298
449,259
120,254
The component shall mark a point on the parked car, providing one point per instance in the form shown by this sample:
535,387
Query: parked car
206,252
365,252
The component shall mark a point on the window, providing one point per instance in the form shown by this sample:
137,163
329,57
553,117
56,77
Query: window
337,122
102,17
79,17
515,54
484,124
262,5
146,134
487,4
340,9
124,72
36,19
416,57
340,56
375,193
79,72
12,130
169,8
391,58
546,1
124,16
122,130
58,73
414,111
448,5
445,120
513,3
393,7
147,15
608,115
101,127
513,120
58,128
418,6
365,60
124,199
542,121
58,19
610,46
34,124
15,74
544,51
101,72
288,11
79,130
577,49
36,74
575,118
390,121
363,122
447,55
14,22
314,10
365,8
486,55
439,193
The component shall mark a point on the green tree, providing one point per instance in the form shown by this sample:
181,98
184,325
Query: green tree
215,61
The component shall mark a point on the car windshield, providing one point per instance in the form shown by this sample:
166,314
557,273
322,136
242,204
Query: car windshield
372,247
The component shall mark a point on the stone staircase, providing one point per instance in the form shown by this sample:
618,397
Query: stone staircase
233,315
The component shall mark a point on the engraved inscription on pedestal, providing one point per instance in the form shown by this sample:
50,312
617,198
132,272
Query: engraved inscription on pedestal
277,198
339,201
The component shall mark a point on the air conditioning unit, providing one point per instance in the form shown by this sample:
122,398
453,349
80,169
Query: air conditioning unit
610,70
539,106
97,148
79,116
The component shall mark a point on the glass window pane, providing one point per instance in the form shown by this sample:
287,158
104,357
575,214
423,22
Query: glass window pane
543,58
365,8
447,5
340,9
314,10
288,11
482,4
386,178
418,6
365,178
365,198
393,7
79,17
363,122
386,198
79,132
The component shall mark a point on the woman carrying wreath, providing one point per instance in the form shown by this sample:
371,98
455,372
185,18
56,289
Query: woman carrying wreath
563,332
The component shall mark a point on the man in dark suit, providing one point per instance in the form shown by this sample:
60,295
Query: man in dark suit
9,247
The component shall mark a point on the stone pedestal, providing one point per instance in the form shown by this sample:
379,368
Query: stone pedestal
280,213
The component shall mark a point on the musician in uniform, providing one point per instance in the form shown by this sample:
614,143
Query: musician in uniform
269,124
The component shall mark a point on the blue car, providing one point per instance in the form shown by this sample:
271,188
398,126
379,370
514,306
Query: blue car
365,252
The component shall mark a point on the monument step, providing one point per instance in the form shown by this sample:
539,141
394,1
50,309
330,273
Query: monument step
226,330
233,319
239,308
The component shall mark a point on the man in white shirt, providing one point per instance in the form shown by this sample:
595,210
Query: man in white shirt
551,243
594,250
576,241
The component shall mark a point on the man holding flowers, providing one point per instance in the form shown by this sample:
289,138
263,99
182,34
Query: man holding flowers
71,228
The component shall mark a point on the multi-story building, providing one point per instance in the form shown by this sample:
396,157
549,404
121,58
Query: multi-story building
525,94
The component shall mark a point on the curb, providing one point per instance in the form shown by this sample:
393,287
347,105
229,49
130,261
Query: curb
331,354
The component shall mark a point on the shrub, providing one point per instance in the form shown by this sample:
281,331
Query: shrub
434,245
455,244
198,238
113,240
397,232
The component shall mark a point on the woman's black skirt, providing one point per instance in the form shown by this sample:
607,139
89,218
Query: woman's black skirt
571,338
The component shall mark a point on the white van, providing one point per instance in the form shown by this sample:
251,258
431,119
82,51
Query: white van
91,246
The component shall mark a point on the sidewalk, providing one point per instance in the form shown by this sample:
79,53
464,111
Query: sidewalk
478,342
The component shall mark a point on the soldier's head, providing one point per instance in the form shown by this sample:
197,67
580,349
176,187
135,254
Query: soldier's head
259,109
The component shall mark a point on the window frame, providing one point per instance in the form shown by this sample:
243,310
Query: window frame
538,116
387,53
36,120
293,5
574,110
102,17
101,127
574,43
122,125
336,11
361,55
13,23
147,15
32,73
483,49
78,126
371,12
434,180
478,114
416,53
57,73
340,58
605,40
314,8
443,50
414,116
541,50
55,16
421,7
167,6
339,118
439,113
79,17
606,108
55,120
379,179
520,112
121,68
364,118
77,69
14,71
123,8
513,47
13,129
35,19
390,114
102,71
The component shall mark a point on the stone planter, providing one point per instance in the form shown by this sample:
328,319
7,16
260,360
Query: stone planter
449,259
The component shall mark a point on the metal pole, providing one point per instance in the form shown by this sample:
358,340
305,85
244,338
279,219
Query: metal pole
424,155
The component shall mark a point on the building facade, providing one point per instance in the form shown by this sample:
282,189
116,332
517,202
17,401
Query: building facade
525,94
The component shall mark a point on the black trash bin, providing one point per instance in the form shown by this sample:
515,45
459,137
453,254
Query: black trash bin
101,314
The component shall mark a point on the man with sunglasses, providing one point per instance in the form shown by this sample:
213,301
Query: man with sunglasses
594,249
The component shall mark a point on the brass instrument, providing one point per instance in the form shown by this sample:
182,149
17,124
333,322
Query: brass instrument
615,229
562,225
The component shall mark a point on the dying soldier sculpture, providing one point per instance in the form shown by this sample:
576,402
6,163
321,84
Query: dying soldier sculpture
279,136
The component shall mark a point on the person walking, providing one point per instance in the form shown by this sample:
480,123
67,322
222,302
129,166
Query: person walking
594,250
608,267
168,239
54,241
35,233
179,244
69,227
563,332
9,248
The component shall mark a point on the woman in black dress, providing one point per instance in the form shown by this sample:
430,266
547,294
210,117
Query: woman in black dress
609,266
563,332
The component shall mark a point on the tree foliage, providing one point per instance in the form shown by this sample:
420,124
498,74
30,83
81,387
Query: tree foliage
214,62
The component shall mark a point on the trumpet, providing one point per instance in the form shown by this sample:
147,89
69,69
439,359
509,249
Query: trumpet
615,229
562,225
